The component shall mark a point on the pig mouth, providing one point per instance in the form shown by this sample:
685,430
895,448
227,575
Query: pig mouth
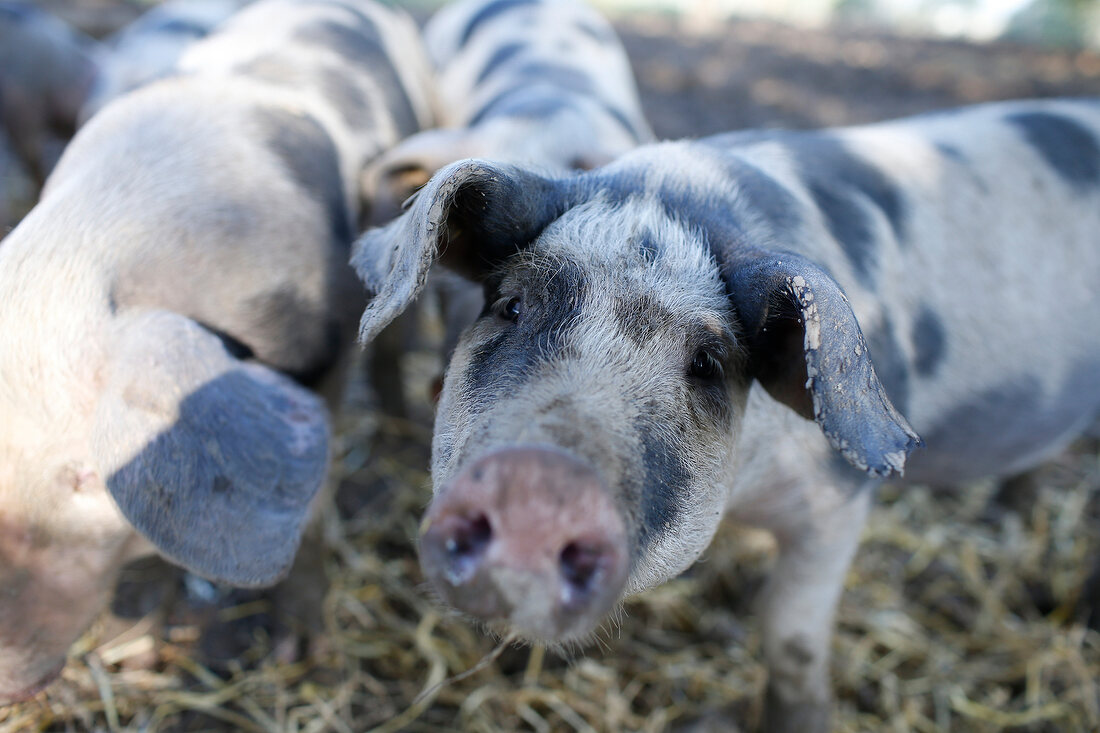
26,693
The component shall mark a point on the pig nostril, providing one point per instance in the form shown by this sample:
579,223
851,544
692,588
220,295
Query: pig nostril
465,547
580,566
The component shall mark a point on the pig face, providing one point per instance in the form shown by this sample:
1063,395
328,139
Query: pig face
586,437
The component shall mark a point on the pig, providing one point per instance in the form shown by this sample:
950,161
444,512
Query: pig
149,47
540,82
181,284
47,69
761,324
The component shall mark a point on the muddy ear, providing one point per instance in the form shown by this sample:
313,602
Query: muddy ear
214,460
806,349
470,216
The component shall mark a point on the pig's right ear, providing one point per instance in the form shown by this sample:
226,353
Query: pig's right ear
215,461
470,216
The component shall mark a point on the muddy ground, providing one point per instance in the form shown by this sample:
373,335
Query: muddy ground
961,612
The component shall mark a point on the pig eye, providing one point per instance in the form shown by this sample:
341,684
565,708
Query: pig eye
704,366
511,309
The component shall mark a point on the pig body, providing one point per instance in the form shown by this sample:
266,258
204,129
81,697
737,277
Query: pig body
738,325
541,82
148,48
47,69
181,282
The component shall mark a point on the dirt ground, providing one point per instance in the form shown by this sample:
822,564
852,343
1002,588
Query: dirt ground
961,611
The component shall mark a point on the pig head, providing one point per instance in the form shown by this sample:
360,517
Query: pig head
586,431
212,461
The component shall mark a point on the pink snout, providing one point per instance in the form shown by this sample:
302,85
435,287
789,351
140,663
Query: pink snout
529,537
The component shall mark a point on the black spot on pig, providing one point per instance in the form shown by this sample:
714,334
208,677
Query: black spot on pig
348,99
848,191
363,47
310,157
529,104
557,75
621,117
1065,144
929,341
501,56
541,335
851,226
488,12
665,480
642,317
767,199
1010,419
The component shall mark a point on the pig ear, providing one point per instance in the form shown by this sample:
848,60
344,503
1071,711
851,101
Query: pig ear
215,461
471,216
806,349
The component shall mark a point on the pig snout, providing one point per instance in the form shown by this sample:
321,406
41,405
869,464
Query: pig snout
529,537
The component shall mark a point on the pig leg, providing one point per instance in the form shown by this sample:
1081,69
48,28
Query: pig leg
817,538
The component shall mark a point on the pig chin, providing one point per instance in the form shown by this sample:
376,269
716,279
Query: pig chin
527,539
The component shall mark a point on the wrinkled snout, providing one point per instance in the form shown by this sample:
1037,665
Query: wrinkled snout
530,537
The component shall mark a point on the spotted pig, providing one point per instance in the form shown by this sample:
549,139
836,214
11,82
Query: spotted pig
761,324
181,284
540,82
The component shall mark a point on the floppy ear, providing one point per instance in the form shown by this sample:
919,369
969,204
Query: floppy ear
806,349
471,216
214,460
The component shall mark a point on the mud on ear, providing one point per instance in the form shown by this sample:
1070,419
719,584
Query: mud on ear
470,216
807,350
214,460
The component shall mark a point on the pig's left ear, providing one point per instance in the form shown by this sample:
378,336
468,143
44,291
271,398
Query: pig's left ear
214,460
470,216
806,349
